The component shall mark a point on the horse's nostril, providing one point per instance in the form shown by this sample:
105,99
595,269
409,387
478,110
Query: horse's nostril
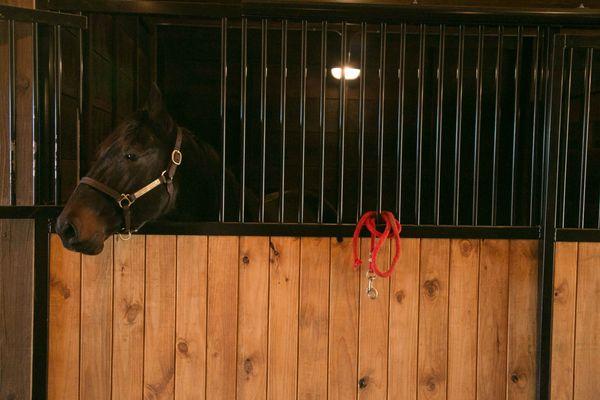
68,231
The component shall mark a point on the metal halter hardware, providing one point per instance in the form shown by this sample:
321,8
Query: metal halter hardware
126,200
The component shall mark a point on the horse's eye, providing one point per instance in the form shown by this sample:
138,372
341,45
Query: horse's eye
131,157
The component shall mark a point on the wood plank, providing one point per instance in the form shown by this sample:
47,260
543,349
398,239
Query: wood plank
343,322
587,320
159,343
16,308
462,319
222,317
4,124
128,318
433,319
493,318
373,326
283,318
522,319
253,318
190,355
404,323
96,324
24,108
63,340
313,330
563,320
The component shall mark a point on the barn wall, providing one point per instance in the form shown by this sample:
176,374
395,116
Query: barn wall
576,327
252,317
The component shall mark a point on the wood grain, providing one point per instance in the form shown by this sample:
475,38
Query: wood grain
63,341
128,318
313,329
96,324
373,320
587,330
16,308
283,318
222,317
159,343
433,319
522,324
493,319
253,318
343,322
462,319
404,323
190,333
563,320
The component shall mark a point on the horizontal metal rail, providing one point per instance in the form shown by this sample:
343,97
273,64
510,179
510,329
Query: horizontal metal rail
42,17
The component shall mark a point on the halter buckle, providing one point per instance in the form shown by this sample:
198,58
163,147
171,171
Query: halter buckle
176,157
125,201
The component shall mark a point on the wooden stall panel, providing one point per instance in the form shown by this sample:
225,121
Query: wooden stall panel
96,324
128,318
63,347
159,343
253,309
190,333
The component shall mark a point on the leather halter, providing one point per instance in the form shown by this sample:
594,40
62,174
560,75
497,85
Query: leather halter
126,200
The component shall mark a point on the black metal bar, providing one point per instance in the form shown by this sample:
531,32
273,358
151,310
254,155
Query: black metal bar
12,115
421,89
29,212
516,117
303,56
36,125
577,235
458,137
264,32
476,143
322,117
21,14
565,141
243,112
400,139
342,125
381,116
585,135
80,89
439,122
497,121
57,59
361,119
534,130
223,188
282,114
41,296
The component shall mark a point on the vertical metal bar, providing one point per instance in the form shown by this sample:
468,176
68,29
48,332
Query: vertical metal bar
342,126
243,90
361,118
400,139
381,119
536,80
282,114
264,31
322,119
439,121
458,137
12,114
497,121
223,111
585,135
565,129
419,149
57,110
80,92
304,45
36,117
516,117
476,143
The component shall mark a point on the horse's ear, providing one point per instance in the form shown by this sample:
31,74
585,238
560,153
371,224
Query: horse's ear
157,112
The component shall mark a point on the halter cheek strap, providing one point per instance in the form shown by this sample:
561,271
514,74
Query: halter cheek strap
126,200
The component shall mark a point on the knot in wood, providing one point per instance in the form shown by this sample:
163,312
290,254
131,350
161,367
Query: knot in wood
432,287
466,247
248,366
400,295
182,347
363,382
132,312
430,383
246,260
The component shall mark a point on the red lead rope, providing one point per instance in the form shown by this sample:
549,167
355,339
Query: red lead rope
369,220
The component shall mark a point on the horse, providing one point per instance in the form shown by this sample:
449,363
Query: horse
151,168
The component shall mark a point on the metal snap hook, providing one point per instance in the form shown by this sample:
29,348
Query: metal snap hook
125,201
176,157
372,293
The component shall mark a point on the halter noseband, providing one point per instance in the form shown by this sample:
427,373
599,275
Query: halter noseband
126,200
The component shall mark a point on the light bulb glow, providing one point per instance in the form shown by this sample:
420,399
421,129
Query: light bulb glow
350,73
